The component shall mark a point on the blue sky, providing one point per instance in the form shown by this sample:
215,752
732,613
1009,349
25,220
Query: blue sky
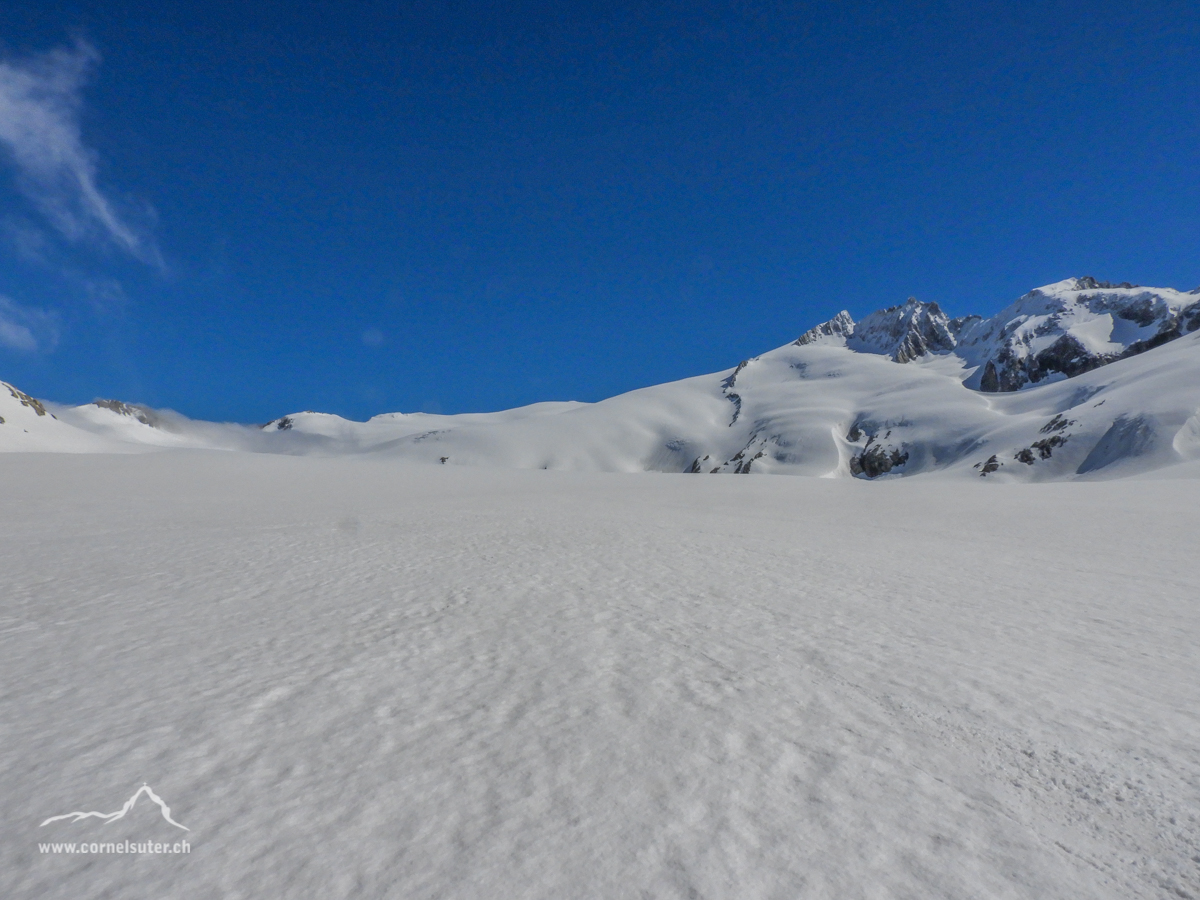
241,210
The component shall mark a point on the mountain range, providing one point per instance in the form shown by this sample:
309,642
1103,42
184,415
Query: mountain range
1080,378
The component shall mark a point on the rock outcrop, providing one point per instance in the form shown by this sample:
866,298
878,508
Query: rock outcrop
25,400
1065,329
840,326
1057,331
143,414
906,332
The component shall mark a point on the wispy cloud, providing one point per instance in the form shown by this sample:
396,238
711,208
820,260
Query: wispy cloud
40,100
25,328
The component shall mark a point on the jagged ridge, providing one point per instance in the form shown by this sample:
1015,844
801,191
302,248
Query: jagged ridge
1061,330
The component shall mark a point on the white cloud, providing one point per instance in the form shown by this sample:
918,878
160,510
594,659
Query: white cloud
106,296
27,329
40,99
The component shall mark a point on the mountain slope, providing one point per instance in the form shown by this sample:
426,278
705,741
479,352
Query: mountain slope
28,425
1076,379
1053,332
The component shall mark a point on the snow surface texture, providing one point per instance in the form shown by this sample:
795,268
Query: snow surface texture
1076,379
361,678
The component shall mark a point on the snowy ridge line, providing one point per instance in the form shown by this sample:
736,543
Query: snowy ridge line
1078,379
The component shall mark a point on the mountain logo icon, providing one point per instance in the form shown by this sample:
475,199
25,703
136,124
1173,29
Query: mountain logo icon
120,813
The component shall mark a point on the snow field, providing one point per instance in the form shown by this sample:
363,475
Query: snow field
355,677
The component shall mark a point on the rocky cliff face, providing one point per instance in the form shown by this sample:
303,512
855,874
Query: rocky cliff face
905,332
1053,332
1072,327
143,414
24,399
840,326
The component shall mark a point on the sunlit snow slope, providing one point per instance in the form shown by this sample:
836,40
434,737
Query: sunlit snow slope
1077,379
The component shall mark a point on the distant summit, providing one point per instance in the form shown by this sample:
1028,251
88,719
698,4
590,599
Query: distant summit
1065,329
135,411
1057,331
1082,378
904,333
841,325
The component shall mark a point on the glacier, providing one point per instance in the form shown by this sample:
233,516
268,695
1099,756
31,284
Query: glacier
532,654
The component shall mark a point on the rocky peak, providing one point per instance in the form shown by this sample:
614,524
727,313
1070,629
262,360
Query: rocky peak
1088,283
143,414
1071,327
840,325
906,332
1061,329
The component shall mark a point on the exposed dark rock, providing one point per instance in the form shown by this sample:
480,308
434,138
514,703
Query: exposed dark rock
840,325
143,414
875,460
1051,325
993,464
1187,321
736,400
1045,446
1141,312
958,325
1168,333
1066,356
905,332
1058,423
732,379
284,424
1191,316
732,397
990,382
1088,283
1002,347
743,467
25,400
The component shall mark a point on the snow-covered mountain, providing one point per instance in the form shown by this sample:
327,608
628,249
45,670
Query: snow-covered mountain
1053,332
1078,378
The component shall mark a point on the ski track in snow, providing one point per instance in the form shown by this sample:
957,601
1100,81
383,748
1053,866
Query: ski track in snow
360,678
